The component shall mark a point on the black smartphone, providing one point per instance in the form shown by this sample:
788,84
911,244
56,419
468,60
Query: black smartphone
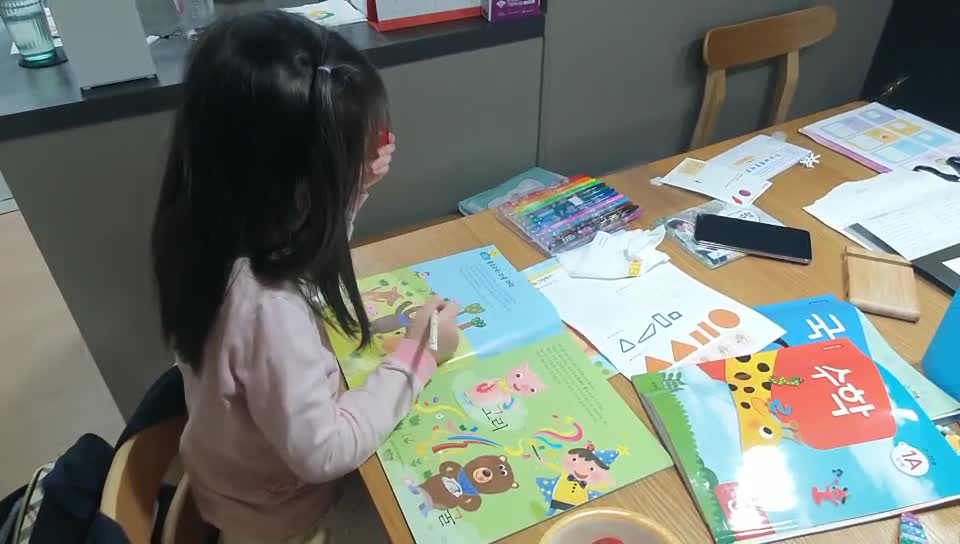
754,238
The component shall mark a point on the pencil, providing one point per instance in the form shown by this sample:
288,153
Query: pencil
435,330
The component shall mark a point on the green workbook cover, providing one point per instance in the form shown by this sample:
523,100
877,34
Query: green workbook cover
518,427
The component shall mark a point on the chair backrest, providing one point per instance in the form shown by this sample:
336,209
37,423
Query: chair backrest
183,524
136,474
754,41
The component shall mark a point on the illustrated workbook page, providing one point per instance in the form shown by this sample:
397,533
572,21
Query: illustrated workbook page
521,426
498,309
799,440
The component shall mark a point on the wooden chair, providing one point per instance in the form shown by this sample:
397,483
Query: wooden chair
754,41
184,524
135,476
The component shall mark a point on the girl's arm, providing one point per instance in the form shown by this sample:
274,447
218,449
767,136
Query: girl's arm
292,385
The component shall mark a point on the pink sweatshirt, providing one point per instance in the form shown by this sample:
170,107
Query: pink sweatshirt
268,427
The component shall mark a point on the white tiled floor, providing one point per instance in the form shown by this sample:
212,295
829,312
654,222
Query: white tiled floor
50,389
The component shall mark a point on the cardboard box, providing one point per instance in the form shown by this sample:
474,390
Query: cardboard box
385,15
502,10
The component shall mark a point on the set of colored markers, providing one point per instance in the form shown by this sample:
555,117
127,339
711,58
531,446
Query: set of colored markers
562,217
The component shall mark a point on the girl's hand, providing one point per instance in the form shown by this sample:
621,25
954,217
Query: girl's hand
448,332
376,169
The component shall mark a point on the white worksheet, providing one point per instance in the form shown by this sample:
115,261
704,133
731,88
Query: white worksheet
720,182
761,156
658,320
856,201
920,228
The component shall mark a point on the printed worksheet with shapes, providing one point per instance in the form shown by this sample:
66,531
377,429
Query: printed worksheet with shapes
659,320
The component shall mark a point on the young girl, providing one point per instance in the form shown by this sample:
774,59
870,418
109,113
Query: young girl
273,149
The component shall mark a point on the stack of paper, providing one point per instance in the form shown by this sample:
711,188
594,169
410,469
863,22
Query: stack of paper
913,213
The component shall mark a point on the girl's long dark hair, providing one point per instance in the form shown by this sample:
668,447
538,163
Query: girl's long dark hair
278,117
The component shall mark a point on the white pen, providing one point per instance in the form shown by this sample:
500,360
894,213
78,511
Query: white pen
435,330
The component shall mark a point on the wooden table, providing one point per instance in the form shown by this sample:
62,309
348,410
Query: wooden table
752,281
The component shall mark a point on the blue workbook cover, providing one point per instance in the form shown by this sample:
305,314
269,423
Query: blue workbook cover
826,317
798,440
520,185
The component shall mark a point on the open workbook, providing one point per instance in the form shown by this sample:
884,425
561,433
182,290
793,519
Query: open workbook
521,425
799,440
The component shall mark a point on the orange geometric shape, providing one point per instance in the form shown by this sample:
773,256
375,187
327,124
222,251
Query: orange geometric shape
715,369
656,365
710,330
700,338
724,318
681,350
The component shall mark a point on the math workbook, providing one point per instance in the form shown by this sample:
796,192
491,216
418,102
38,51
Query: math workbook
518,427
799,440
825,317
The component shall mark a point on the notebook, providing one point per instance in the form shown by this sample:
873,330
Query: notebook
801,440
522,184
826,317
942,268
517,427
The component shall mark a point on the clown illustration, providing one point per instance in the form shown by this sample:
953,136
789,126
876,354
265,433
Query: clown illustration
585,475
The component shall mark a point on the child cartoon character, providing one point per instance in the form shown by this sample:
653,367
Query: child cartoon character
456,486
521,381
583,477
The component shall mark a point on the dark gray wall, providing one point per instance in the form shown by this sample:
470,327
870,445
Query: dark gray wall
623,79
464,123
88,194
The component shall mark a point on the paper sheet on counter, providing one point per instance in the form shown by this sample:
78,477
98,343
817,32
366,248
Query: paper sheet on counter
658,320
329,13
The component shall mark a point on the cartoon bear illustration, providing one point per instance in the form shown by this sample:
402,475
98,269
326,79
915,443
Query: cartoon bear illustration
456,486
